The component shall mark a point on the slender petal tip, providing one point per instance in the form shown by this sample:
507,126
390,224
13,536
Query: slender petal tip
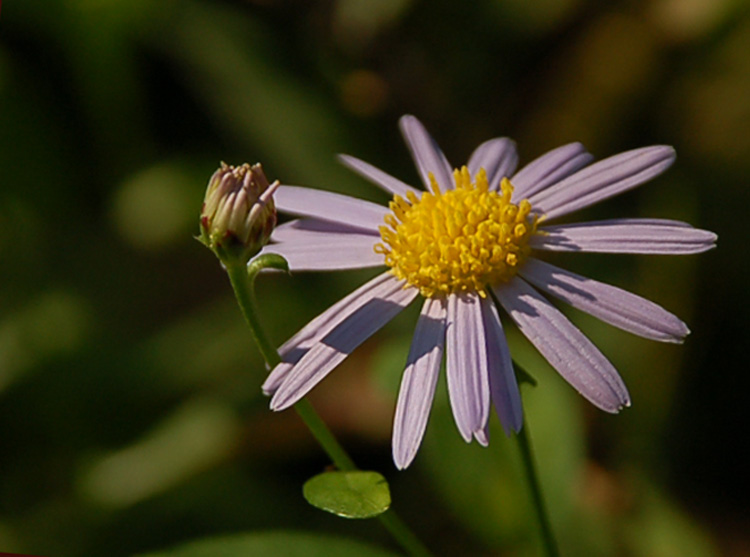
625,404
602,180
482,437
426,153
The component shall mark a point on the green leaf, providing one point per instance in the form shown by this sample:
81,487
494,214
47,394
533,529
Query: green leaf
274,544
349,494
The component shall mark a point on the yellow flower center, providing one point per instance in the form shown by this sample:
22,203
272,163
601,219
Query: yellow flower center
461,240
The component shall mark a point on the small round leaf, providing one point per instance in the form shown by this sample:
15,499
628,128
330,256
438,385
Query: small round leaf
349,494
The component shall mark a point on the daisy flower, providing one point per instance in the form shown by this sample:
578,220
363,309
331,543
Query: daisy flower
465,245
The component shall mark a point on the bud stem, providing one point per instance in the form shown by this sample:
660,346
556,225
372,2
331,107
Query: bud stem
243,284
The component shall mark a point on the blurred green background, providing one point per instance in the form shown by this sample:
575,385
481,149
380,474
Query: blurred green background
130,407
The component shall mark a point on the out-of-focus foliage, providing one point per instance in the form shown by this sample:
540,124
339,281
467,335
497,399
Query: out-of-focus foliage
291,544
130,405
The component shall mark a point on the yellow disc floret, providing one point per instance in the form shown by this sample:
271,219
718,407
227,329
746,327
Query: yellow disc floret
460,240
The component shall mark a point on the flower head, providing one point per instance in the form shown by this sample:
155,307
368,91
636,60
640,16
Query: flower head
466,246
238,212
460,240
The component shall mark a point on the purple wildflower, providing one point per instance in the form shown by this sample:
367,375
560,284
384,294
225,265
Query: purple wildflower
463,244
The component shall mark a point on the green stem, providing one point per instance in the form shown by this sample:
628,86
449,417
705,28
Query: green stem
527,456
324,436
401,533
245,294
244,289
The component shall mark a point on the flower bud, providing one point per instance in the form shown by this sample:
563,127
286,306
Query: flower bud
238,212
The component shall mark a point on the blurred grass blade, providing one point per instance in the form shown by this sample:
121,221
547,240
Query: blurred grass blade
274,544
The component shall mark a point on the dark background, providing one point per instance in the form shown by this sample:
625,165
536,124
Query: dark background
130,408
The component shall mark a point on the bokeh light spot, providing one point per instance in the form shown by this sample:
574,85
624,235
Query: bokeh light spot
155,207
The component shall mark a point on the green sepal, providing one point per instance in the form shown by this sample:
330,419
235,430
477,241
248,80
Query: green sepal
358,494
267,261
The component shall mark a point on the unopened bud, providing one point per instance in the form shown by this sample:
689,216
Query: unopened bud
238,212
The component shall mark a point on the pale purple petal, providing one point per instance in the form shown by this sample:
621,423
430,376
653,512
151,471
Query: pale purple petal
298,345
503,385
466,364
329,252
602,180
654,236
549,169
426,153
392,185
483,435
498,157
608,303
418,382
356,324
568,351
304,228
334,207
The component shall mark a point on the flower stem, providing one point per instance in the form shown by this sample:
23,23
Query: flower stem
527,456
401,533
243,285
324,436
